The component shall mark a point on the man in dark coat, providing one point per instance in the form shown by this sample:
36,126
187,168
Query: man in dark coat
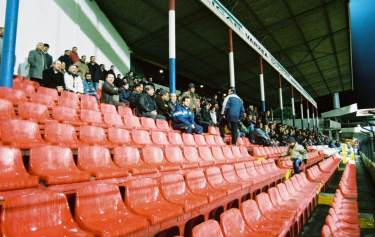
36,61
66,58
53,78
48,60
109,91
147,105
93,68
232,111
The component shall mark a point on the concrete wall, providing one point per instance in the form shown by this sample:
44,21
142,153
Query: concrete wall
64,24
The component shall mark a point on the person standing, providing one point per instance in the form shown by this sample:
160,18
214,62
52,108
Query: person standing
232,111
74,55
66,58
36,61
93,69
1,45
83,69
48,60
53,78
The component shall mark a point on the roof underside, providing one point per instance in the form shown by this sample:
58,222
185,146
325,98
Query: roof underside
309,38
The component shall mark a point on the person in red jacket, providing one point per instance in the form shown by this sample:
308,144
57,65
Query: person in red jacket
74,55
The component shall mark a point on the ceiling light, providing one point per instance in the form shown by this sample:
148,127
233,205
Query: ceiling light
201,86
161,71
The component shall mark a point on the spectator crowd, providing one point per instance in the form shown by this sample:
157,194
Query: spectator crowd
188,111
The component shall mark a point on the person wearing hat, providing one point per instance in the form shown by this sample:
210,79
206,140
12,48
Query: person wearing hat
192,96
232,111
296,153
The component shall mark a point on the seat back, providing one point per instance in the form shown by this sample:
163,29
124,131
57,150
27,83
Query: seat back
159,138
205,154
214,176
47,159
11,162
141,137
125,111
19,131
199,140
229,173
141,191
195,180
219,140
244,151
33,111
236,152
232,222
217,153
91,116
212,130
6,109
131,122
188,139
191,154
108,109
89,102
125,156
173,154
113,119
241,170
41,209
67,100
42,99
119,136
14,95
264,203
209,228
283,191
172,185
60,133
48,91
152,155
92,135
228,152
326,231
162,124
93,157
210,140
250,212
275,196
148,123
175,138
64,114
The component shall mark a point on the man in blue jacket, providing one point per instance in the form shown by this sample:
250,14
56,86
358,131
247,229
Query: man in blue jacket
183,118
232,111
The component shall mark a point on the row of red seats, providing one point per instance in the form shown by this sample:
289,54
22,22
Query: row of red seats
342,219
269,152
314,157
281,211
323,172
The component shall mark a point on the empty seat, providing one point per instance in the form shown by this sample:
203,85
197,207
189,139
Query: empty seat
153,156
216,180
48,91
162,124
20,133
141,137
14,95
237,153
68,99
41,213
129,158
89,102
210,140
174,190
191,155
131,122
101,210
175,138
33,111
219,140
6,110
159,138
188,139
12,171
108,109
212,130
97,161
29,89
197,183
119,136
91,117
199,140
60,134
206,155
227,151
143,197
55,165
125,111
148,123
65,114
43,99
230,176
218,155
209,228
113,120
233,225
173,155
92,135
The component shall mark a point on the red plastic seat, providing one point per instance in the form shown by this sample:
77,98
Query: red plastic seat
28,88
100,210
125,111
43,99
245,153
97,161
65,114
89,102
210,140
212,130
198,185
159,138
52,93
129,158
219,141
68,99
143,197
113,120
20,133
148,123
218,155
108,109
206,155
215,179
6,110
12,171
174,190
141,137
188,139
175,138
131,122
227,151
119,136
173,155
209,228
199,140
153,156
191,155
230,176
233,225
55,165
92,135
33,111
41,213
91,117
162,125
60,134
14,95
237,153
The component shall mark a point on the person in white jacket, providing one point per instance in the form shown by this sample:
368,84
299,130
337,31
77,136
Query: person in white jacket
73,81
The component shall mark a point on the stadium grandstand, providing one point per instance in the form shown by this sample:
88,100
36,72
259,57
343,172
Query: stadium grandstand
194,118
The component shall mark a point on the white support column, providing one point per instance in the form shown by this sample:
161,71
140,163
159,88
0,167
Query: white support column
308,114
301,105
293,108
313,119
281,101
172,46
232,80
261,83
